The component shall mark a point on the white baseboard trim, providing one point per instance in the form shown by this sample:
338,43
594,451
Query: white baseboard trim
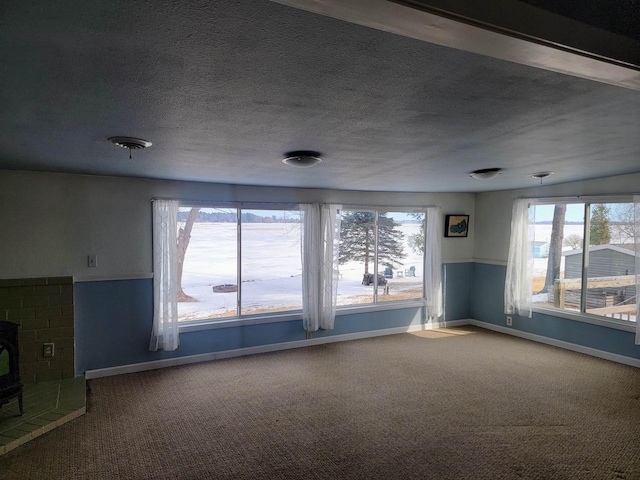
274,347
614,357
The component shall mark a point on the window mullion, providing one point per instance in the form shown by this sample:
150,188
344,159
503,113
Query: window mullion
375,259
239,261
424,256
585,258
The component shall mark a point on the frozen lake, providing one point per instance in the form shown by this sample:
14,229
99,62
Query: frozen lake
618,235
272,271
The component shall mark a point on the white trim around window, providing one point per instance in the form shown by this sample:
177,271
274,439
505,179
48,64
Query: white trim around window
291,315
614,323
211,324
589,269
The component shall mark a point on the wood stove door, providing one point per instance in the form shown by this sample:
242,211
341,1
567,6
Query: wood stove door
10,385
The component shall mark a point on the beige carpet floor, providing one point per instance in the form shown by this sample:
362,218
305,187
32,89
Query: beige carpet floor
463,403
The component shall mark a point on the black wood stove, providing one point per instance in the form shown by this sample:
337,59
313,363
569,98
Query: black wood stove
10,386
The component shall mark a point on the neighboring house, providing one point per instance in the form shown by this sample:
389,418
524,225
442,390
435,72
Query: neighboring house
540,249
604,261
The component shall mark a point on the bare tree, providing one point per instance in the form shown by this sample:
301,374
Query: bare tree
574,241
184,236
555,246
623,222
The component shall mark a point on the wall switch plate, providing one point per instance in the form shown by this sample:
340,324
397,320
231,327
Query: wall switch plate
48,350
92,260
509,321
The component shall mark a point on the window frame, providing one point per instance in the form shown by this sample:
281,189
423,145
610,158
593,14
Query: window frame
582,315
395,304
294,315
239,318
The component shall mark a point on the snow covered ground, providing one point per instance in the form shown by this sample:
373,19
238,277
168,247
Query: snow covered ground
272,271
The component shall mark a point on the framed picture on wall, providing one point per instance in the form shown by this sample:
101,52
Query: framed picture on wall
456,226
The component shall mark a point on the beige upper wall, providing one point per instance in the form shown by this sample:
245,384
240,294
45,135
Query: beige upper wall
51,222
493,210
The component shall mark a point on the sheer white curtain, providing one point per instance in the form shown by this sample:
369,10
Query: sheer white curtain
636,229
165,280
433,262
518,283
310,267
320,248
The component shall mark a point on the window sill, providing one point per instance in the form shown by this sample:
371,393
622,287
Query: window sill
378,307
210,324
586,318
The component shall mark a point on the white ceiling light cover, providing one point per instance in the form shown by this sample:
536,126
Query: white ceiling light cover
302,158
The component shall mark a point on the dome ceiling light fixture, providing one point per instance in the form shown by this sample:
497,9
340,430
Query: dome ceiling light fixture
130,142
302,158
485,173
541,175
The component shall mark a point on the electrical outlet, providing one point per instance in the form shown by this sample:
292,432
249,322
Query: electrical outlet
48,350
92,260
509,321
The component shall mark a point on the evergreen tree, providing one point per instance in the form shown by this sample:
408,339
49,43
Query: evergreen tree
416,241
599,233
357,239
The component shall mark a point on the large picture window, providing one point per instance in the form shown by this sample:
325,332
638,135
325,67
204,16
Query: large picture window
381,257
583,257
234,262
237,261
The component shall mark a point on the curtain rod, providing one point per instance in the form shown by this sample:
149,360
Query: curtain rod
213,203
582,197
390,208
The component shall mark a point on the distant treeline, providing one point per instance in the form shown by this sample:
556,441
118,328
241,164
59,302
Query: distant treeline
246,217
550,222
223,217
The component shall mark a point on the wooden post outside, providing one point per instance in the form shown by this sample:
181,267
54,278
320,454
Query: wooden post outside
558,294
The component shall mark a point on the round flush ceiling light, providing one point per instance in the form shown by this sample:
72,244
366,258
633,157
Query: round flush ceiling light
541,175
130,142
302,158
486,173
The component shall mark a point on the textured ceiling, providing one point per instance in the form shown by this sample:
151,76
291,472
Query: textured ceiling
224,88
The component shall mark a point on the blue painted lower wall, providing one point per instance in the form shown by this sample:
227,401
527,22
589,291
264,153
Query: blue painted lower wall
458,283
487,305
113,323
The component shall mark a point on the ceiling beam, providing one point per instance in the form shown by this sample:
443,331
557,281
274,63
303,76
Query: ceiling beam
517,34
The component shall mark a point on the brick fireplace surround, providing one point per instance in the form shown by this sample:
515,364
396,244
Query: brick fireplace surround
43,307
43,310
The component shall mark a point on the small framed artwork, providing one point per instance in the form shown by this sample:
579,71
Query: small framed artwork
456,226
